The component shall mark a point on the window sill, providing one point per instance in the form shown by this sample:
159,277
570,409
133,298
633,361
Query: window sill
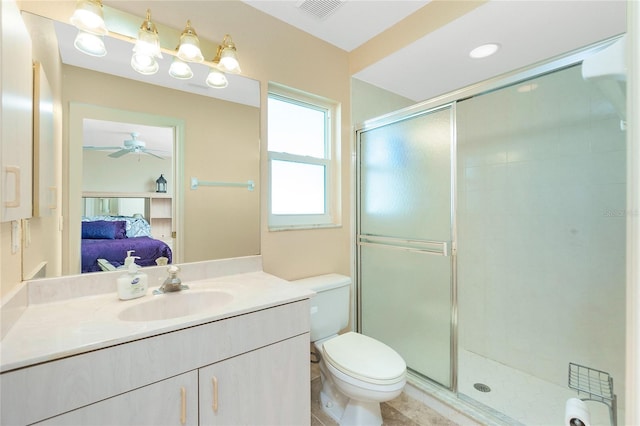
303,227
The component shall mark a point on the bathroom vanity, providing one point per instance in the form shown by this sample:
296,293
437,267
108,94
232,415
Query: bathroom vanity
239,357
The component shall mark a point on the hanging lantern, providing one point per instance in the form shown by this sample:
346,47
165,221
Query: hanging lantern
161,184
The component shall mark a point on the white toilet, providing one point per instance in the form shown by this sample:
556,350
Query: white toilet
357,371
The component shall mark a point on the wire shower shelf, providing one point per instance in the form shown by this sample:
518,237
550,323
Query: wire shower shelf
593,385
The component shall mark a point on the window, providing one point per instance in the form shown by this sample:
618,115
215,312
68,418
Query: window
301,140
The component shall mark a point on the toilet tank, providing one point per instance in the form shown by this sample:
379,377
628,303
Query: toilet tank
330,305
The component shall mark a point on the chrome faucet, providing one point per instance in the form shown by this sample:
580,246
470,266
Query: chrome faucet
172,283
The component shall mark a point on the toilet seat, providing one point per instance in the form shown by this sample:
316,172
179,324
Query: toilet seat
351,353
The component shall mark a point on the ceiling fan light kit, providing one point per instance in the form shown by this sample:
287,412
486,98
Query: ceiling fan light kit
89,20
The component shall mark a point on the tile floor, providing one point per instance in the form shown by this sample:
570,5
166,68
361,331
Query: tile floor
402,411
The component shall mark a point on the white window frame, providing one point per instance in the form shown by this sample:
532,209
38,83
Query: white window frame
331,217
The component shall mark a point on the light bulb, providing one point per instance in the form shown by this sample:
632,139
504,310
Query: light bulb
216,79
189,49
88,17
90,44
144,64
180,70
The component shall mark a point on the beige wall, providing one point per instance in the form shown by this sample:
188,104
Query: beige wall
369,101
10,263
136,172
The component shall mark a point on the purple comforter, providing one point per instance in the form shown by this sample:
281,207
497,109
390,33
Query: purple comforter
148,249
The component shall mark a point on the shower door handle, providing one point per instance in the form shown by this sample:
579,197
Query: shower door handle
441,248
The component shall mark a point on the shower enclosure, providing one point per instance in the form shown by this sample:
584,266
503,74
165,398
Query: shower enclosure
491,241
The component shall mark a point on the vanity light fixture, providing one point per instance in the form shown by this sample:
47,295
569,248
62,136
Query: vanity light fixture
146,48
91,44
180,69
89,20
484,50
144,64
88,17
216,79
227,55
189,49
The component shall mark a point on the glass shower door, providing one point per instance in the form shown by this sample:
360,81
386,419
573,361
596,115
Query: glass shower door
404,239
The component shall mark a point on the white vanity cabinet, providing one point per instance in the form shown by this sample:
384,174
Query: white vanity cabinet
259,361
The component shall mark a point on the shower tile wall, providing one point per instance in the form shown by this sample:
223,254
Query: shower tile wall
541,228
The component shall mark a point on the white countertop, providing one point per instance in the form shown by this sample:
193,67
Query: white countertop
48,331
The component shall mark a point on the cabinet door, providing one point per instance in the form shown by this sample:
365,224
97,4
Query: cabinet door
268,386
16,147
172,401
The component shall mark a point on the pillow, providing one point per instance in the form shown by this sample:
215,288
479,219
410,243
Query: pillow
138,227
105,230
135,227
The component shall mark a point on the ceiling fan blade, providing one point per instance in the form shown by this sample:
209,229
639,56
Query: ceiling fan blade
119,154
152,154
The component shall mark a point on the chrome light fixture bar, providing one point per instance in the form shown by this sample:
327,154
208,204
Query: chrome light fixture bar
88,18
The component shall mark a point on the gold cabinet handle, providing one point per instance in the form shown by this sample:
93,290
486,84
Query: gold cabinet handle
215,394
183,411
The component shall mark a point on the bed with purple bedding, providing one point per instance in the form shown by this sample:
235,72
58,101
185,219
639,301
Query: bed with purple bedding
110,237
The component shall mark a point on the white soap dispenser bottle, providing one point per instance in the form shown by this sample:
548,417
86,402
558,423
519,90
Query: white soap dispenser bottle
133,283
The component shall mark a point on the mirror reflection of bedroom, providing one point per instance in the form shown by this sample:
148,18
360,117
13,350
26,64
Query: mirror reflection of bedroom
127,186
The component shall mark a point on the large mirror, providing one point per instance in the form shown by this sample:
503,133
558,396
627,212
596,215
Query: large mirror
216,139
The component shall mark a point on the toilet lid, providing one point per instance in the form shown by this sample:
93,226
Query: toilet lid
364,358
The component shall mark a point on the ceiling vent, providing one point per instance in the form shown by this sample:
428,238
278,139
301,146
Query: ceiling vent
320,9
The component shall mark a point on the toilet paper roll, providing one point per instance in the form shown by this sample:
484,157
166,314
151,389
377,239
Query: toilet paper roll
576,413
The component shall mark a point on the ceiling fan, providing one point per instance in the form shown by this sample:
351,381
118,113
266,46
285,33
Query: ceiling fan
133,145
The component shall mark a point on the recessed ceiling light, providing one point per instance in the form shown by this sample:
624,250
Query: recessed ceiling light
484,50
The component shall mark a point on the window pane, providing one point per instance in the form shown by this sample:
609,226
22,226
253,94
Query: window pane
296,129
297,188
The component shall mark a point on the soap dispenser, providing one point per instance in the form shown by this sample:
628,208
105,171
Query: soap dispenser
133,283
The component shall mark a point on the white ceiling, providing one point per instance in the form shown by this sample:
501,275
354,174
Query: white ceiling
350,25
529,31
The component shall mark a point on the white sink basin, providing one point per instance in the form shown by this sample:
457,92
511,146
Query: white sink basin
175,305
